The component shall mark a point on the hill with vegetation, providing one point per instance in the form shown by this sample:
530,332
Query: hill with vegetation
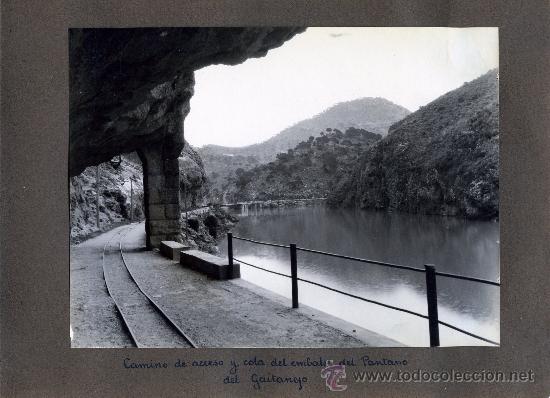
310,170
371,114
442,159
220,172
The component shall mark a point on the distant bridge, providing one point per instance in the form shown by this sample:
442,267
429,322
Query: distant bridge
263,202
246,205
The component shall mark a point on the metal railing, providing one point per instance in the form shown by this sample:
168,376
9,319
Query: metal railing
429,270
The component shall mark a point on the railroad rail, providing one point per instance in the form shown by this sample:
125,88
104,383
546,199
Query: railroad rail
182,338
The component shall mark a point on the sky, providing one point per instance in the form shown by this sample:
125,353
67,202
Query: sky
253,101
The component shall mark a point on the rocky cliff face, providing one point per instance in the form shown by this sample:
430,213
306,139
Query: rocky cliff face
114,201
131,87
194,185
115,192
441,159
204,231
129,90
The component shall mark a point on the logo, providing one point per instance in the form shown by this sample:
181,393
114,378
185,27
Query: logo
332,375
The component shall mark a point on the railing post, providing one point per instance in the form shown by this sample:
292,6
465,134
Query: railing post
294,274
230,252
431,292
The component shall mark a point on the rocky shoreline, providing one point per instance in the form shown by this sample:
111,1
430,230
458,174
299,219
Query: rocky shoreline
204,231
274,203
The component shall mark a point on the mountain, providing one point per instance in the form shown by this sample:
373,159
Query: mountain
220,163
442,159
220,171
310,170
372,114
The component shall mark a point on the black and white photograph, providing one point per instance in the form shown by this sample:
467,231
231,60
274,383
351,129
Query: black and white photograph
284,187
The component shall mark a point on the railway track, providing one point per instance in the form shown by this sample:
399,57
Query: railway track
148,325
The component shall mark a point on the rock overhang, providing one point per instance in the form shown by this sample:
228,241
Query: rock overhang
130,88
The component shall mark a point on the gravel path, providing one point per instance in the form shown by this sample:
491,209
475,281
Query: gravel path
94,318
147,325
212,313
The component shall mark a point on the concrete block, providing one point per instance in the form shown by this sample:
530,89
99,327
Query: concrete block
171,249
213,266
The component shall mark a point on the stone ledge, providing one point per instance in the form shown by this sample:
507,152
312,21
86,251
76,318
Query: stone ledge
213,266
172,249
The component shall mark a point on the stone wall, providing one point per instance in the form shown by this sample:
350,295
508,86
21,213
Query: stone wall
161,195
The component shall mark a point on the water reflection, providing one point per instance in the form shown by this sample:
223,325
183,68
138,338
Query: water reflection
453,245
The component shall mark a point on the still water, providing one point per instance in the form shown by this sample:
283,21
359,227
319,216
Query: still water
453,245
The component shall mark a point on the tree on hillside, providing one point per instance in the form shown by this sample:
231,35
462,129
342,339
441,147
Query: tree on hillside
283,157
243,178
330,162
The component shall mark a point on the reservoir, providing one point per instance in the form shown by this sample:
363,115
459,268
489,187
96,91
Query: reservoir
453,245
